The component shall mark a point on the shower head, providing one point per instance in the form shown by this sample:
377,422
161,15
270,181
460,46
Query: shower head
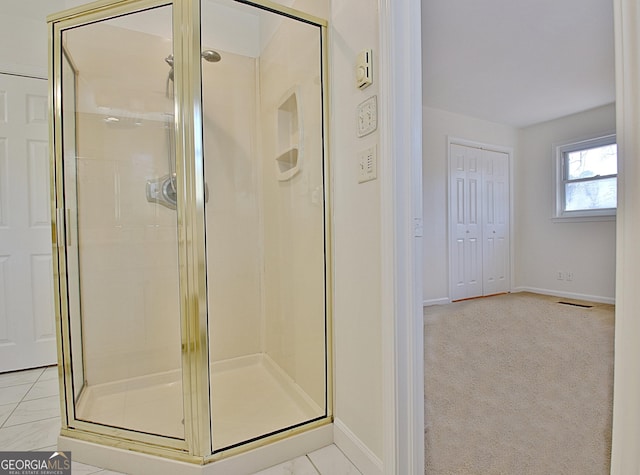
211,56
208,55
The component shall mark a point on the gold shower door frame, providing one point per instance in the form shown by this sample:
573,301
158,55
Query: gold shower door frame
196,447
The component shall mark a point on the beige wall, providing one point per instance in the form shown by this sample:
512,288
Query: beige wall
128,253
356,232
232,215
127,246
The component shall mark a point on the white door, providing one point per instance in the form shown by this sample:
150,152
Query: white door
27,330
465,215
479,221
495,229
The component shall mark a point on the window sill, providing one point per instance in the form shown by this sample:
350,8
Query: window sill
583,218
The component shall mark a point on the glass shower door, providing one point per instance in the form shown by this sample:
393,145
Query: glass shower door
264,165
121,255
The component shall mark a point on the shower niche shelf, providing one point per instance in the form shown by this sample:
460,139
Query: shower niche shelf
290,133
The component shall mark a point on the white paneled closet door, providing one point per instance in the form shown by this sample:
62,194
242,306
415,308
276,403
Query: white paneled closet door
479,221
27,330
495,230
465,216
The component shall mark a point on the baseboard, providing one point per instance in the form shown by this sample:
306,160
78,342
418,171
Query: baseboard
355,450
568,295
430,302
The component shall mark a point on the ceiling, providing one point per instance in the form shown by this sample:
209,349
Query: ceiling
33,9
517,62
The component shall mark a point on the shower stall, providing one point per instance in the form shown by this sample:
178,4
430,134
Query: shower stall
191,226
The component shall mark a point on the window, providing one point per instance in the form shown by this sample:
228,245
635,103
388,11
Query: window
587,182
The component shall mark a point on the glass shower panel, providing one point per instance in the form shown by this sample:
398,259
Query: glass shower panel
121,226
71,203
265,228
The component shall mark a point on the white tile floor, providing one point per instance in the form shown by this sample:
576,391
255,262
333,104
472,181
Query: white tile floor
30,420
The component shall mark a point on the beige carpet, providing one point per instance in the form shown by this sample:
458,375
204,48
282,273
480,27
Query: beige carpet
518,384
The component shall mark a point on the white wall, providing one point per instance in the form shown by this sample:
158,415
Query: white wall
541,247
356,229
625,456
23,35
544,247
437,125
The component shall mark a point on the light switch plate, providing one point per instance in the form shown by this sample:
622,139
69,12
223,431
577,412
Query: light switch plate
367,116
367,165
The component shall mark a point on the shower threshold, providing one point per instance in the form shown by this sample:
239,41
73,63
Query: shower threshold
251,396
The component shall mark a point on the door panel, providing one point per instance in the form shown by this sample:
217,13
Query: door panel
44,328
473,264
459,204
4,310
458,257
38,184
4,171
27,337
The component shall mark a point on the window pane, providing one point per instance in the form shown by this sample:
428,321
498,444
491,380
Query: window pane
592,162
588,195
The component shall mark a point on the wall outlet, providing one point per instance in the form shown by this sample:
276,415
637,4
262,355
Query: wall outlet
569,276
367,120
560,275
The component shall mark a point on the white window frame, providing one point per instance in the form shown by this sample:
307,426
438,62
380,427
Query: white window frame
560,175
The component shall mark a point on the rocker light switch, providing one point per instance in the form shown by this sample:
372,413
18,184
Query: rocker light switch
367,165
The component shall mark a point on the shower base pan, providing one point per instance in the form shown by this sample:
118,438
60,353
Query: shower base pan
251,396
